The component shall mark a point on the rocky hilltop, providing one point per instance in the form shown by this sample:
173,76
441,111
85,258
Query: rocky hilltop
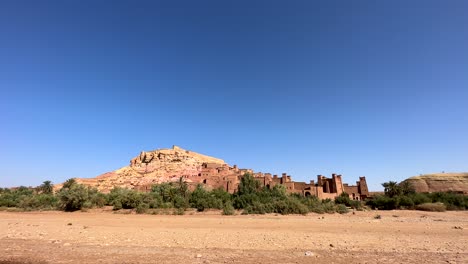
440,182
170,165
153,167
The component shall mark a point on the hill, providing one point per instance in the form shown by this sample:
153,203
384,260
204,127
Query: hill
440,182
153,167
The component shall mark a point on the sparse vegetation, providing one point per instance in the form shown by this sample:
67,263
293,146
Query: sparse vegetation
344,199
250,198
433,207
228,209
403,196
253,199
74,196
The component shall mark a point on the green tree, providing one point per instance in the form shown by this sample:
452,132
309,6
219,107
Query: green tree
248,185
343,198
406,188
183,187
73,198
392,189
69,183
46,187
199,198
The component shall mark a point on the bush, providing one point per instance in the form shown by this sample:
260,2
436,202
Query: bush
341,209
294,206
180,202
199,199
142,208
228,209
356,205
453,201
343,198
406,202
117,205
73,198
12,198
122,198
248,185
328,206
383,202
433,207
420,198
179,211
38,202
202,199
96,198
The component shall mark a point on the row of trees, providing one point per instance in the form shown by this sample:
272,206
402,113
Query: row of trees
250,198
403,196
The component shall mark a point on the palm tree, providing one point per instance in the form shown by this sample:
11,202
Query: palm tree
69,183
391,188
183,187
46,187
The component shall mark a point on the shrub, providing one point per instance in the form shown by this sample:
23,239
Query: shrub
406,202
180,202
341,209
383,202
117,205
294,206
131,199
142,208
179,211
343,198
328,206
152,200
38,202
453,201
228,209
73,198
434,207
420,198
96,198
199,199
248,185
122,198
356,205
12,198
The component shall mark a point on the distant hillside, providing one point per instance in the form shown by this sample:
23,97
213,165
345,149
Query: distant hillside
440,182
152,167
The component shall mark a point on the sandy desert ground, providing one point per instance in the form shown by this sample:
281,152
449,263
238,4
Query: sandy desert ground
100,236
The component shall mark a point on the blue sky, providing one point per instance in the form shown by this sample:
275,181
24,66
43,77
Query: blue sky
374,88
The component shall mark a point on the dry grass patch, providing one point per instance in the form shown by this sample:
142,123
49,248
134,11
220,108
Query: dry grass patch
432,207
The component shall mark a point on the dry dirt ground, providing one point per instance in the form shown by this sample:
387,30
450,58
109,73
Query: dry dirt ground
104,237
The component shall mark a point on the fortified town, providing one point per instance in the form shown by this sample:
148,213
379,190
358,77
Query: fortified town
169,165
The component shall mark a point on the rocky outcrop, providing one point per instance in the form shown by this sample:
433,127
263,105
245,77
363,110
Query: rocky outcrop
440,182
170,165
153,167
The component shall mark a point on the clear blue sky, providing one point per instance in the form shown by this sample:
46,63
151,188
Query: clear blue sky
374,88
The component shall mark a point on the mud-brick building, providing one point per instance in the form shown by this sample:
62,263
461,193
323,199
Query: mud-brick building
214,175
324,187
